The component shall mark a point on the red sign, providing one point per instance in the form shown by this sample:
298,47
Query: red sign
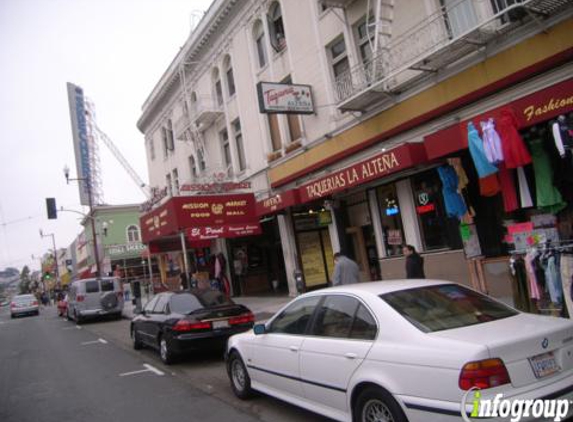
181,213
392,161
278,202
520,228
227,231
214,187
423,209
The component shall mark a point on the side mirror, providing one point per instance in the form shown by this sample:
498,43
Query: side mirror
259,329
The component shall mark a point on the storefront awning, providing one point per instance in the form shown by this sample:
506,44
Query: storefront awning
529,110
217,216
277,202
391,161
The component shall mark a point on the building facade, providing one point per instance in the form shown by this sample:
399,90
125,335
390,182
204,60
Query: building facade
394,87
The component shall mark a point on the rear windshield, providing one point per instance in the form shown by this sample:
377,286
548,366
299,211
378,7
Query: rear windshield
437,308
23,299
92,286
107,285
213,298
185,303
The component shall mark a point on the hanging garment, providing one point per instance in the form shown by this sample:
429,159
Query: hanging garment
515,153
534,292
475,144
566,266
463,180
558,139
455,205
491,142
549,199
553,278
520,292
489,186
507,183
524,193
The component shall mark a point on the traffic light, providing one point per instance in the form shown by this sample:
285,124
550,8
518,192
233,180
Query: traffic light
47,275
51,208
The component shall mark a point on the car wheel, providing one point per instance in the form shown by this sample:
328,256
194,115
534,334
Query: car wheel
165,353
240,379
377,405
137,343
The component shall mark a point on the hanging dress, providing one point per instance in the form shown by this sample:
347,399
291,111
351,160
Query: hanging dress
491,142
455,205
515,152
483,166
508,192
548,197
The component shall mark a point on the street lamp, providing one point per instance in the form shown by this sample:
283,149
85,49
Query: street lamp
90,198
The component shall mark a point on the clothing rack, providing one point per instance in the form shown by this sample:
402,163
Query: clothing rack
546,246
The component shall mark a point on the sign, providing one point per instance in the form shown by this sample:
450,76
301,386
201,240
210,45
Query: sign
520,228
388,162
470,240
80,139
277,202
424,209
284,98
394,237
324,218
125,249
214,187
227,231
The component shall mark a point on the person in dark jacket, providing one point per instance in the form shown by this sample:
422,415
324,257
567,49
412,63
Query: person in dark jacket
414,262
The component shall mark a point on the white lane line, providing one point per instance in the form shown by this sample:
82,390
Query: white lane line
76,327
148,367
99,340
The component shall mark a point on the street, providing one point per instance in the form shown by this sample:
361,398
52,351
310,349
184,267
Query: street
53,370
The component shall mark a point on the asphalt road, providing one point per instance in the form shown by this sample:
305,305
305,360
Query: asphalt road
53,370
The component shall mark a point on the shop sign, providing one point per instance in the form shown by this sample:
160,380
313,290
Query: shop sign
214,187
380,165
125,248
225,231
520,228
394,237
284,98
277,202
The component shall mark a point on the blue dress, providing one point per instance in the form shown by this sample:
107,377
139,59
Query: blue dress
455,205
477,151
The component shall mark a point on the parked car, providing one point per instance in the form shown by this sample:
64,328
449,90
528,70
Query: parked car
178,322
63,305
24,305
95,297
407,350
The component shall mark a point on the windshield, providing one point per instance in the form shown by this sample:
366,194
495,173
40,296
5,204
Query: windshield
436,308
24,299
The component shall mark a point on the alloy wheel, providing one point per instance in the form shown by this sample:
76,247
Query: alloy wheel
238,374
376,411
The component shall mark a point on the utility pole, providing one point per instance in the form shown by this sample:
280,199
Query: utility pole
57,270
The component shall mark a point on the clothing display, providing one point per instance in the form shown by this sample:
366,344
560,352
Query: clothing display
489,186
508,192
562,135
455,205
566,280
530,268
524,193
475,145
491,142
463,180
515,153
548,197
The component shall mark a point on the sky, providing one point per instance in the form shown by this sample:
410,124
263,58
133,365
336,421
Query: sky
116,50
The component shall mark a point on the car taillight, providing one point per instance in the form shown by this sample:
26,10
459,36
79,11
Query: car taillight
242,319
183,325
79,298
484,374
35,303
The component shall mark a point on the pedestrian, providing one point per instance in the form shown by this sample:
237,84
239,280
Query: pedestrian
346,271
414,262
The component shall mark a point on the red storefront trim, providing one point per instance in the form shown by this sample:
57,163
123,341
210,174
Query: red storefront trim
278,202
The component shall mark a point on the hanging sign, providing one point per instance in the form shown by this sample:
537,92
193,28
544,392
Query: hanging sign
285,98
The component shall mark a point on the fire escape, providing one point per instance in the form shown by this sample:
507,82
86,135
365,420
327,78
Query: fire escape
455,32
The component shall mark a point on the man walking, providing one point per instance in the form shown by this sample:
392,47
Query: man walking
414,262
346,271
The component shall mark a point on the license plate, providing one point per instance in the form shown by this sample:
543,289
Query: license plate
220,324
544,365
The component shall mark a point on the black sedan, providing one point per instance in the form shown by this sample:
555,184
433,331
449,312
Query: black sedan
177,322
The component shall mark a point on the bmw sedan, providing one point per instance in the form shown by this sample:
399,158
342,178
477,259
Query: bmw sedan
24,305
178,322
407,350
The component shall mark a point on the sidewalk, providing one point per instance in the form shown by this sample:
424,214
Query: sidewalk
262,306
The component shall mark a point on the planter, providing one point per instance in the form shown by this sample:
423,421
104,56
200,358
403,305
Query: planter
272,156
292,146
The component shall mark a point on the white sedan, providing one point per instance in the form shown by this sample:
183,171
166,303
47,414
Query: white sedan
408,350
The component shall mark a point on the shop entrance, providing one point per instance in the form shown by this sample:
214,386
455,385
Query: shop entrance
316,257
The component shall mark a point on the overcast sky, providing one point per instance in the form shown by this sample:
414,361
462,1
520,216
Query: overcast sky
116,50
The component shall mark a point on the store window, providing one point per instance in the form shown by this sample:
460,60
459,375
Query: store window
339,57
391,217
437,229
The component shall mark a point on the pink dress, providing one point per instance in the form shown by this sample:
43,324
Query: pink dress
515,152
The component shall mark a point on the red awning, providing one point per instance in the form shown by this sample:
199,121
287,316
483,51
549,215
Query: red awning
278,202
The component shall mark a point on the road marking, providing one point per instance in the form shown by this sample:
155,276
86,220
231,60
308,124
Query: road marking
148,367
76,327
99,340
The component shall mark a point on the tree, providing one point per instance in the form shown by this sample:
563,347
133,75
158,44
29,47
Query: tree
25,280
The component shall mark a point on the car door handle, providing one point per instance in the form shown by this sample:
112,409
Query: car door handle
293,348
351,355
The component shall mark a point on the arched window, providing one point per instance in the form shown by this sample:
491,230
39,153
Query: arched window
133,233
276,27
259,37
218,91
228,69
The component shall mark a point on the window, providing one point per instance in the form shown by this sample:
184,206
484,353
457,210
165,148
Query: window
295,318
184,303
168,184
175,174
230,77
460,16
161,304
164,141
339,58
365,36
151,146
151,304
201,158
335,316
437,229
276,27
259,36
107,285
92,286
219,92
276,140
133,233
391,218
192,166
293,121
446,307
239,144
170,139
364,326
226,146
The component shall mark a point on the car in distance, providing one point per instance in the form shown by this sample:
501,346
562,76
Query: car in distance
178,322
95,298
405,350
24,305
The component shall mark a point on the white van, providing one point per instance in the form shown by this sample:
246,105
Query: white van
95,297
